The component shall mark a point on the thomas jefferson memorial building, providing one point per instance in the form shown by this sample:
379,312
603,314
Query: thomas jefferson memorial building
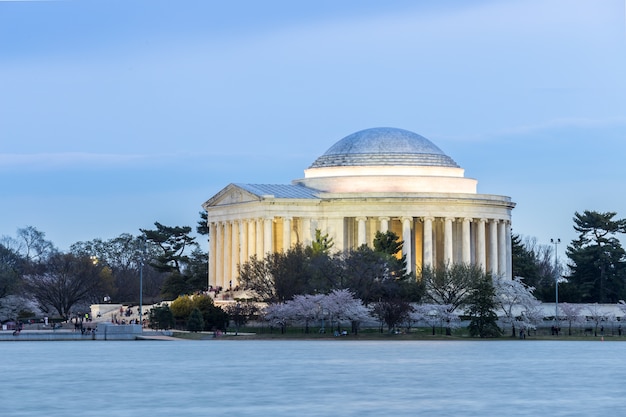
380,179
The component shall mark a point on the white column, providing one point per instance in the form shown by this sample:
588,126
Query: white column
286,233
227,253
466,254
493,246
502,248
428,242
384,224
361,238
212,252
260,254
307,233
219,255
509,251
251,238
234,253
267,235
447,241
407,243
481,256
243,242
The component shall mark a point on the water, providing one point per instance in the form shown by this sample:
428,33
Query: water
311,378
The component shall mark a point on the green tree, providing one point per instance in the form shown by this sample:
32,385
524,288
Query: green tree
322,243
535,264
363,272
173,242
376,276
183,275
11,267
481,309
387,242
597,259
181,307
390,245
202,227
325,273
215,318
195,322
161,317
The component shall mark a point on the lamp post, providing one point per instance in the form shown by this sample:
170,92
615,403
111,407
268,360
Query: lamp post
143,254
556,282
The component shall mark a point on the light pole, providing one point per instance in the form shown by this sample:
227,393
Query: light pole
556,282
143,254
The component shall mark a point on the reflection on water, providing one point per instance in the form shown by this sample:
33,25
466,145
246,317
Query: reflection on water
312,378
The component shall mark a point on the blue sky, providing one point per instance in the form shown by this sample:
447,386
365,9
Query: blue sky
115,114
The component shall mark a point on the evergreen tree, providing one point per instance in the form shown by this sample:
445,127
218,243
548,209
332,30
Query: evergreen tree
202,227
11,269
390,246
195,322
185,273
161,317
481,309
322,243
215,318
597,260
534,263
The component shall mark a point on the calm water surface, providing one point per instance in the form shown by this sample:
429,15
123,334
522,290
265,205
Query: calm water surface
312,378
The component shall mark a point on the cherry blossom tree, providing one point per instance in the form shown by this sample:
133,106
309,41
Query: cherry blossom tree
435,315
343,306
338,306
572,314
278,314
304,308
516,302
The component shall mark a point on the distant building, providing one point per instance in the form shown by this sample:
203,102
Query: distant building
377,179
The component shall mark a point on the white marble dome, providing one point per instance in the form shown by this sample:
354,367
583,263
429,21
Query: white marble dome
384,146
383,160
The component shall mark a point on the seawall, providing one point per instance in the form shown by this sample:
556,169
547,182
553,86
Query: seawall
103,331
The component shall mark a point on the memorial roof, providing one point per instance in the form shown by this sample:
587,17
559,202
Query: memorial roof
280,190
384,146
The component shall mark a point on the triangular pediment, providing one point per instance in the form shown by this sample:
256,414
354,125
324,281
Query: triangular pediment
231,194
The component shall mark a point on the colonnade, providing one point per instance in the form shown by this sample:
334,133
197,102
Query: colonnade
427,240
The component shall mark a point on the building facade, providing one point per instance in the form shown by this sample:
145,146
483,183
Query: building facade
380,179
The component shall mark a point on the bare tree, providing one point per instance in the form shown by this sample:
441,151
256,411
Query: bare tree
31,244
598,317
451,284
66,281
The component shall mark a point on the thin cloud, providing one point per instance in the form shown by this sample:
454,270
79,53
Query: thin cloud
46,161
530,129
88,161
